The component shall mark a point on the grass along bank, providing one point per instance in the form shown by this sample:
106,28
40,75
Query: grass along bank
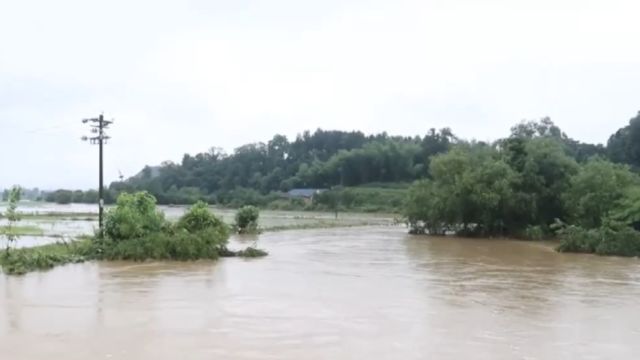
75,216
21,261
21,230
325,225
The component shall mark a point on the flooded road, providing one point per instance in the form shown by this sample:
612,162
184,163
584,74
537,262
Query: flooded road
357,293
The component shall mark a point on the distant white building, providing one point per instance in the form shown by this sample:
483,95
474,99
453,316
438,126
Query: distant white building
306,194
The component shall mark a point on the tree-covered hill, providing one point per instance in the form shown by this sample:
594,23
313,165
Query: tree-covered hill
322,159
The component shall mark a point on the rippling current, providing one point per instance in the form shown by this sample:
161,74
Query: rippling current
358,293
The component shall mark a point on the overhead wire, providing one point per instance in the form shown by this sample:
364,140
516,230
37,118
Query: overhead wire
14,128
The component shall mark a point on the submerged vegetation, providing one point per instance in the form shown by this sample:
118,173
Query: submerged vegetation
21,261
605,240
247,220
251,252
135,230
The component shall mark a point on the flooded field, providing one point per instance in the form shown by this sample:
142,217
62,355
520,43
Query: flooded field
346,293
65,222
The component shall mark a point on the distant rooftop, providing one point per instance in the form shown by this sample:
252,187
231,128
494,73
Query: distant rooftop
304,193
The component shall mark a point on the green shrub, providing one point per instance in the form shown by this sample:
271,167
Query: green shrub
606,240
535,232
198,234
134,216
579,240
622,242
199,218
247,219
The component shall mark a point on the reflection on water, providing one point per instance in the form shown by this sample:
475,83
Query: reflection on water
333,294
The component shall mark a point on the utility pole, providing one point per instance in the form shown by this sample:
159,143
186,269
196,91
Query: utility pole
98,127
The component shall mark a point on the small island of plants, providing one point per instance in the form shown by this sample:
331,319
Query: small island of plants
135,230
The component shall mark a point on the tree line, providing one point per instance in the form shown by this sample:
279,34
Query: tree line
34,194
76,196
256,172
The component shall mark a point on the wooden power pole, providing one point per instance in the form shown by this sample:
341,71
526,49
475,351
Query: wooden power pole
98,127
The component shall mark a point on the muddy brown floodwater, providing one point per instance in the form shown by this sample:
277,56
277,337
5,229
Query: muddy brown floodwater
358,293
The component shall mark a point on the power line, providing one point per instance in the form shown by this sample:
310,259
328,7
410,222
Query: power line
98,127
16,125
34,131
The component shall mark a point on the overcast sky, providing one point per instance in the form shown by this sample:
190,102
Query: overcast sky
183,76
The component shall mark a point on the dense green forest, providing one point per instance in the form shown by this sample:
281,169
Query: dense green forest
534,184
320,160
257,174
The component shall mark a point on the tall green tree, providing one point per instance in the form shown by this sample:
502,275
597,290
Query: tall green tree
499,189
624,145
545,175
596,190
627,209
470,192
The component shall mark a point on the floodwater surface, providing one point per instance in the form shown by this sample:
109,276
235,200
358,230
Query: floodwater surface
69,221
357,293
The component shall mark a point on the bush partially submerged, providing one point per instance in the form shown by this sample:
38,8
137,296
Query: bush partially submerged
134,216
135,230
535,232
199,218
579,240
198,234
622,242
251,252
609,239
181,246
247,219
